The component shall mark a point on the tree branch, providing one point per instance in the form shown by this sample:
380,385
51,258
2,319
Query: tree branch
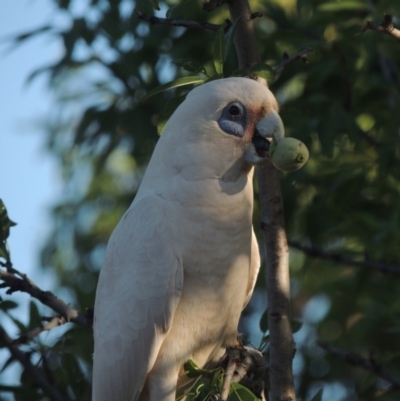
243,365
357,360
52,322
277,260
211,5
14,283
317,252
51,391
386,27
302,55
228,376
171,22
245,39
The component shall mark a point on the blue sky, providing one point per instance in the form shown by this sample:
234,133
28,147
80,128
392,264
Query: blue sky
29,180
29,176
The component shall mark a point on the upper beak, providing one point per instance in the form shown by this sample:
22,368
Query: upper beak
268,128
271,126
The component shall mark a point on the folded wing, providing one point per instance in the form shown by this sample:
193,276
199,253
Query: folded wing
139,287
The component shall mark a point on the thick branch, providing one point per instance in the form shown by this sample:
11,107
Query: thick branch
14,283
245,39
171,22
34,372
386,27
278,285
357,360
317,252
281,340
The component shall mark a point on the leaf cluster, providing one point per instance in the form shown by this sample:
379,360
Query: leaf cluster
344,105
209,383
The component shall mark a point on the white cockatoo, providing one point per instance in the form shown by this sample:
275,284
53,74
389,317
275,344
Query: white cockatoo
182,263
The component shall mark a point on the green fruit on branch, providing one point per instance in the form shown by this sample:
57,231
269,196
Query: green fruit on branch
288,154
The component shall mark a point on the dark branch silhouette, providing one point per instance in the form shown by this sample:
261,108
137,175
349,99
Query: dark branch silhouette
302,55
386,27
35,373
9,279
172,22
357,360
315,251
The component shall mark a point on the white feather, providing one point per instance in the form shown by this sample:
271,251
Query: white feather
182,263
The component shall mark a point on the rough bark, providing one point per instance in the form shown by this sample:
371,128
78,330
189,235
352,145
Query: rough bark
277,261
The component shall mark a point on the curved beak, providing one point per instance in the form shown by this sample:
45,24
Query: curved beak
268,128
271,126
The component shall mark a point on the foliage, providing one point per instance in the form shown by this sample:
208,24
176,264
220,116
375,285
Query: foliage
344,105
209,382
5,224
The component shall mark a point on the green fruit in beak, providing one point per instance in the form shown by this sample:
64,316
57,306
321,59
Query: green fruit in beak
289,154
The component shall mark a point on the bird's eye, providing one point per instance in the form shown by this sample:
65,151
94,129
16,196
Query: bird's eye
233,119
234,111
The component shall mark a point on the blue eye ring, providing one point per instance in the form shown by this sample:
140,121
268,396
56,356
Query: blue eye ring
233,119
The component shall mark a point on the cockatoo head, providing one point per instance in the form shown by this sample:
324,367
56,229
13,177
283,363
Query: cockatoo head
224,126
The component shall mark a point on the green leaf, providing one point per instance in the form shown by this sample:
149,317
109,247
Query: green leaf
34,315
154,4
21,327
219,51
240,393
264,71
5,222
230,36
174,8
296,326
4,252
200,391
7,305
263,343
192,370
176,83
191,65
318,396
264,321
167,112
343,5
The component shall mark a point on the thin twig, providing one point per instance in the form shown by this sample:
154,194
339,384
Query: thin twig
368,138
357,360
34,372
172,22
256,14
302,55
11,269
338,258
386,27
384,391
53,322
14,284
